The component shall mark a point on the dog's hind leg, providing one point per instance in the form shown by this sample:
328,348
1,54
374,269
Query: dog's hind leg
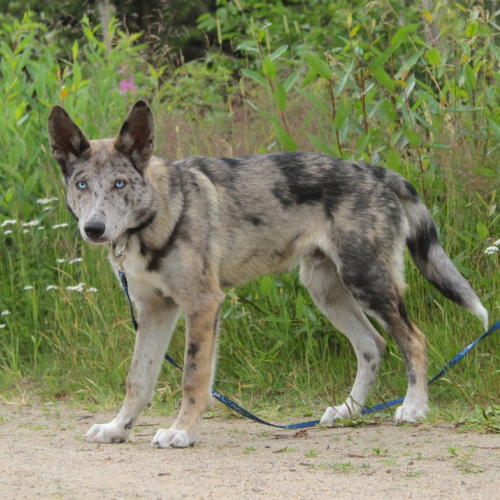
340,307
156,318
413,346
377,285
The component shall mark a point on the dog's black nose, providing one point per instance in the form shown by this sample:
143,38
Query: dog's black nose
94,229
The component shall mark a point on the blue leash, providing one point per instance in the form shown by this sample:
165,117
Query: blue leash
311,423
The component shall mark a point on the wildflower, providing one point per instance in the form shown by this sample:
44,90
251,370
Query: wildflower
92,290
31,223
51,287
57,226
8,222
78,288
75,261
5,313
497,243
45,201
491,250
61,261
7,232
2,326
127,85
47,208
25,231
41,228
28,287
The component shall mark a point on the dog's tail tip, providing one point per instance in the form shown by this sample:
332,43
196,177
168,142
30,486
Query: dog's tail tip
481,312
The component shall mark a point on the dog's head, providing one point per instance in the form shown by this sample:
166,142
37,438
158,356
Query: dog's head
106,182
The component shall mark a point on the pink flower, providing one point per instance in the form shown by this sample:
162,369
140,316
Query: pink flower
127,85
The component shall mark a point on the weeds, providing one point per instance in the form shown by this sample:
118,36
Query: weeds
376,93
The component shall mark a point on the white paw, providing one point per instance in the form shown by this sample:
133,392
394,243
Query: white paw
107,433
171,438
409,413
337,413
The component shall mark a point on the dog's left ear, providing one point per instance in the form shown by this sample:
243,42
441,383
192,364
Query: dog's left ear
137,135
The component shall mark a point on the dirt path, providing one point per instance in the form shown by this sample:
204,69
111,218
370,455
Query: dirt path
43,455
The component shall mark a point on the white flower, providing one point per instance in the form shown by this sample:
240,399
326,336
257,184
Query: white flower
2,326
92,290
75,261
28,287
61,261
7,232
41,228
5,313
44,201
31,223
26,231
51,287
8,222
57,226
497,243
491,250
77,288
47,208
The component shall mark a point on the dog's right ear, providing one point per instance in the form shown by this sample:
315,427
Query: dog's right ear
67,141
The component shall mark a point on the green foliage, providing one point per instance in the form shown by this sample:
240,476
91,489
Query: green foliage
352,88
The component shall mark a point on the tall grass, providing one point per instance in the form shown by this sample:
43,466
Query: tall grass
430,113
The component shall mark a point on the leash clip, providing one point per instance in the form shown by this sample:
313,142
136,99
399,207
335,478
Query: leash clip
119,257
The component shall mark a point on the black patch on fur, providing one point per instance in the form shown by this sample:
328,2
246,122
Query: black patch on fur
412,192
419,247
203,167
136,168
303,187
368,357
129,424
379,173
193,349
410,374
71,212
256,221
404,314
142,225
158,254
280,193
192,401
231,162
192,366
327,181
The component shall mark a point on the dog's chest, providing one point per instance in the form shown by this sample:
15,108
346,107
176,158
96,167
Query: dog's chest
138,276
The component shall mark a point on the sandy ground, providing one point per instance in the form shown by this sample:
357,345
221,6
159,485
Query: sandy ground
43,455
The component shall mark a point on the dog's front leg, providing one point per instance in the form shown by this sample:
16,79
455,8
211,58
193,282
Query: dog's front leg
156,318
201,344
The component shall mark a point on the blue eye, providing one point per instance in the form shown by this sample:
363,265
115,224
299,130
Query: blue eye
81,185
119,184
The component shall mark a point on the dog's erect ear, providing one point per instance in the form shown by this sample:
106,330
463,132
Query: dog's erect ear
137,135
67,141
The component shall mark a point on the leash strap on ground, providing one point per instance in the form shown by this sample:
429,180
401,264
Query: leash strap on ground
305,425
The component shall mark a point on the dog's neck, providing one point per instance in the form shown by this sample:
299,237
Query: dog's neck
167,203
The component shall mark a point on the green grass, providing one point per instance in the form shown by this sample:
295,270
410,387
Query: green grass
277,353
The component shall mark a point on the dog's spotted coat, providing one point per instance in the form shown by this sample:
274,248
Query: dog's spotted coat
196,226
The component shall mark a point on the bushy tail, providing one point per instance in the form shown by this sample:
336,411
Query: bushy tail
428,254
